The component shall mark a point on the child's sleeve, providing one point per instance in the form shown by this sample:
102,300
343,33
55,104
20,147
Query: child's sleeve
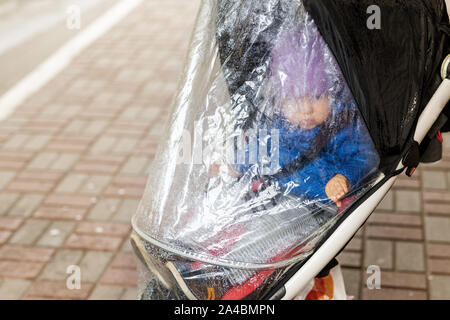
309,182
356,154
248,152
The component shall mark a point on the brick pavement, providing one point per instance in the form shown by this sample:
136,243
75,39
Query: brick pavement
73,166
408,237
74,159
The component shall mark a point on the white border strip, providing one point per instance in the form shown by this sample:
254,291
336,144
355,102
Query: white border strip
62,58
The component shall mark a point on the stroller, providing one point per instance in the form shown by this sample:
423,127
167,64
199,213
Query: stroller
292,120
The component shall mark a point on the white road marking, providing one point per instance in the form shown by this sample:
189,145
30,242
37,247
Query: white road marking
24,23
62,58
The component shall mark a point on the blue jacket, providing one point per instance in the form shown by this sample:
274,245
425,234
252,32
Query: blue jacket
350,153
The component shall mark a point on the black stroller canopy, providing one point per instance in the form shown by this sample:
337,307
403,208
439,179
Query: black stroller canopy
390,69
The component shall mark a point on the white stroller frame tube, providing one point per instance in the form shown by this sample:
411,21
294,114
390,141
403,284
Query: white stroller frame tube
433,110
347,228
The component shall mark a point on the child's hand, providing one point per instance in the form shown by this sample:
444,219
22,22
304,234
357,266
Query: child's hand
218,168
336,188
213,170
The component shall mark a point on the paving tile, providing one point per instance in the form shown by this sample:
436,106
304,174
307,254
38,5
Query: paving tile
135,165
25,253
126,210
95,184
350,259
125,145
387,204
104,144
434,179
398,233
104,209
442,165
60,213
131,113
352,280
124,192
6,202
107,292
409,201
39,175
393,294
441,209
16,142
43,160
30,186
121,277
75,201
94,264
406,280
379,253
30,231
130,294
93,167
124,260
26,205
36,142
71,183
58,290
108,229
10,223
436,196
56,234
75,127
56,269
446,142
64,162
70,111
438,250
409,256
126,247
6,177
95,127
437,229
130,180
4,236
13,289
395,219
11,164
20,269
93,242
109,159
69,146
439,287
439,266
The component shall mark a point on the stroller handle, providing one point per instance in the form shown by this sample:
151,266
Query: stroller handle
433,109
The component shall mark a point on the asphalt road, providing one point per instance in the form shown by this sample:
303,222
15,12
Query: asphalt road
31,30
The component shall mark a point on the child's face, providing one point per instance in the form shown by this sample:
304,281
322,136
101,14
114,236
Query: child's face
307,112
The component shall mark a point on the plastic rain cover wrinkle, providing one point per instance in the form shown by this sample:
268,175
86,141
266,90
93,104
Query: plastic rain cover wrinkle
265,150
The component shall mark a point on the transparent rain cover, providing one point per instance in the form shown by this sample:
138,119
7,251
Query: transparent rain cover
265,148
